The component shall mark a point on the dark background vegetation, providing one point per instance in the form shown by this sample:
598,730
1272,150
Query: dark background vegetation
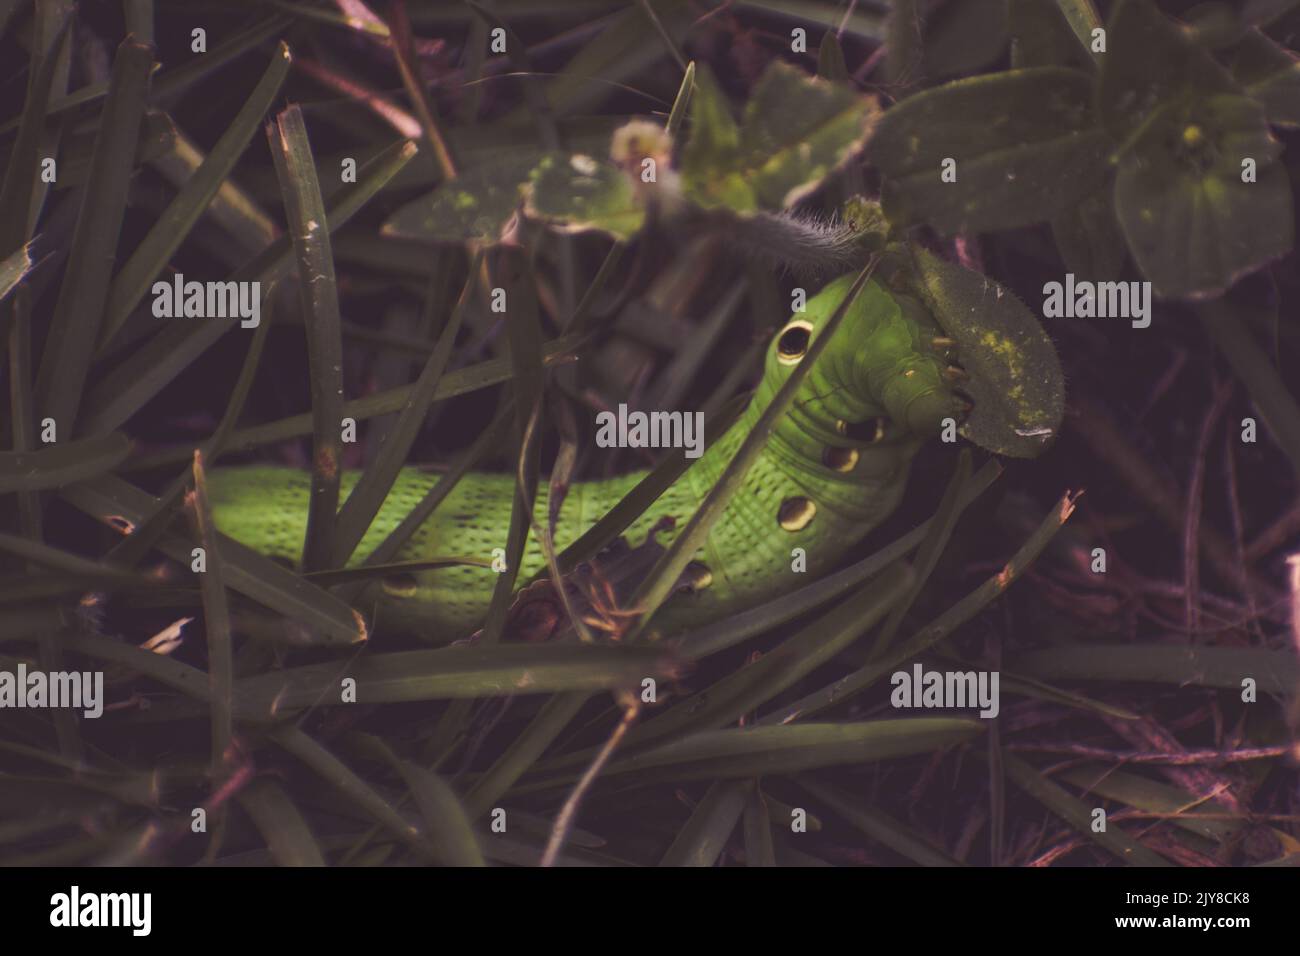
1151,438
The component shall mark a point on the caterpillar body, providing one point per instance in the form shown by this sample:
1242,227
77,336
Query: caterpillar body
834,467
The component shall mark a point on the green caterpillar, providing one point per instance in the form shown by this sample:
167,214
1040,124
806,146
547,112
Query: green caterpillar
834,468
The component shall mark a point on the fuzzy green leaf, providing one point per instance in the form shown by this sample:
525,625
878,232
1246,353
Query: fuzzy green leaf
1015,381
579,193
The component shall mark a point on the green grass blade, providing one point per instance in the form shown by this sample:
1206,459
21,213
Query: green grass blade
168,233
1274,672
931,549
445,820
22,422
1078,814
372,488
62,464
523,752
15,268
356,791
460,382
282,825
325,618
20,172
524,330
785,749
79,311
216,625
149,369
1181,808
748,688
647,491
460,671
1276,403
319,299
939,628
877,825
759,848
701,841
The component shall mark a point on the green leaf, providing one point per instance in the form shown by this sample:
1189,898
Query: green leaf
712,151
962,38
796,130
1193,226
1268,72
1024,144
578,193
478,204
1015,381
830,59
1041,36
1151,61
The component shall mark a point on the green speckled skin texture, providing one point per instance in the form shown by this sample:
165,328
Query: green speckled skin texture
748,552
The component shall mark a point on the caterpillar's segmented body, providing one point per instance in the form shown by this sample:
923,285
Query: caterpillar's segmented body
835,467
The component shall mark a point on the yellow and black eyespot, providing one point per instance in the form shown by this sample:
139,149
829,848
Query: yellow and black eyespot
695,578
796,513
400,585
792,343
840,459
869,431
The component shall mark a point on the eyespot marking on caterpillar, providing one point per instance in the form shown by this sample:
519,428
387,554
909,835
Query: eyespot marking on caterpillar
696,577
871,431
793,341
840,459
400,585
796,513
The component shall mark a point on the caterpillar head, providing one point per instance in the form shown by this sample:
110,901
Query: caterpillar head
942,346
887,375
